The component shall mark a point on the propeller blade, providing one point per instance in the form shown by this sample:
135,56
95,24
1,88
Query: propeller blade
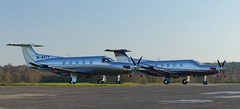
223,74
219,63
219,73
139,61
223,63
132,60
132,74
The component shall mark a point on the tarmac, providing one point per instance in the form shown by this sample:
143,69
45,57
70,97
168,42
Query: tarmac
121,97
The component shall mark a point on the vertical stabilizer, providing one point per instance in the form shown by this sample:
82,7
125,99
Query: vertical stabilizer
29,53
120,55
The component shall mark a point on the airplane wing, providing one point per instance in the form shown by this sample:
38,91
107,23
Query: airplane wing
160,71
59,70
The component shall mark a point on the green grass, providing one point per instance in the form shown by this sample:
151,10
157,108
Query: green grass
62,84
93,84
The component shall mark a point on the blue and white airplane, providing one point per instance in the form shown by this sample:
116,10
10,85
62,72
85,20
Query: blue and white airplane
172,68
74,66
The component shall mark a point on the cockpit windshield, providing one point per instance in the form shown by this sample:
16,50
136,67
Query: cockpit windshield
196,62
106,60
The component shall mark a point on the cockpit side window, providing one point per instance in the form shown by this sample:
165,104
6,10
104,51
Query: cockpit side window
106,60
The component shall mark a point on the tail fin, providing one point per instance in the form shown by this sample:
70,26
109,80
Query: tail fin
29,53
120,55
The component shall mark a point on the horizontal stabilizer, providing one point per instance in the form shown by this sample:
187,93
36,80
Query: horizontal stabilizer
25,45
117,50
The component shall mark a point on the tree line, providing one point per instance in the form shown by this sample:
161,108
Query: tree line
22,74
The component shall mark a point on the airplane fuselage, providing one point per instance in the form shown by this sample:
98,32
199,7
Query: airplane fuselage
91,65
181,68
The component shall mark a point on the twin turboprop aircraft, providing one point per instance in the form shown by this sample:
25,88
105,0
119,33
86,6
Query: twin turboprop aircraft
73,66
173,68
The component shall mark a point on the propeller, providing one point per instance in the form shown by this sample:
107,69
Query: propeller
221,70
136,67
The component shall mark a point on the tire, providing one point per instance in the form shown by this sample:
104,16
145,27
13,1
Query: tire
118,82
165,81
184,81
99,81
204,82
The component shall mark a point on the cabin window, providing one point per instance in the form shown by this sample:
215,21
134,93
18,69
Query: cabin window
156,65
174,64
70,63
77,62
162,65
91,62
168,65
181,64
64,62
83,62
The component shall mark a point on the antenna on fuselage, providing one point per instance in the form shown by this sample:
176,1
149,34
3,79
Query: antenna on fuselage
68,55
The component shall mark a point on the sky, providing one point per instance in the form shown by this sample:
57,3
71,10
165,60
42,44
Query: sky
203,30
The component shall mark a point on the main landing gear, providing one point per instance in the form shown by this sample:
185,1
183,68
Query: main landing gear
102,80
118,79
185,81
205,80
73,79
166,80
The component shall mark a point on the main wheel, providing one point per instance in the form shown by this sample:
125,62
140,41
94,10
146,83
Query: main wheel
118,82
204,82
184,81
166,81
99,81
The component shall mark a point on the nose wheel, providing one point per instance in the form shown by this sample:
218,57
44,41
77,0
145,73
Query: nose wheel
102,80
118,79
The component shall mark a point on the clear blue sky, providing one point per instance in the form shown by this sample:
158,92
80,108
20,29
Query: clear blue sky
204,30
